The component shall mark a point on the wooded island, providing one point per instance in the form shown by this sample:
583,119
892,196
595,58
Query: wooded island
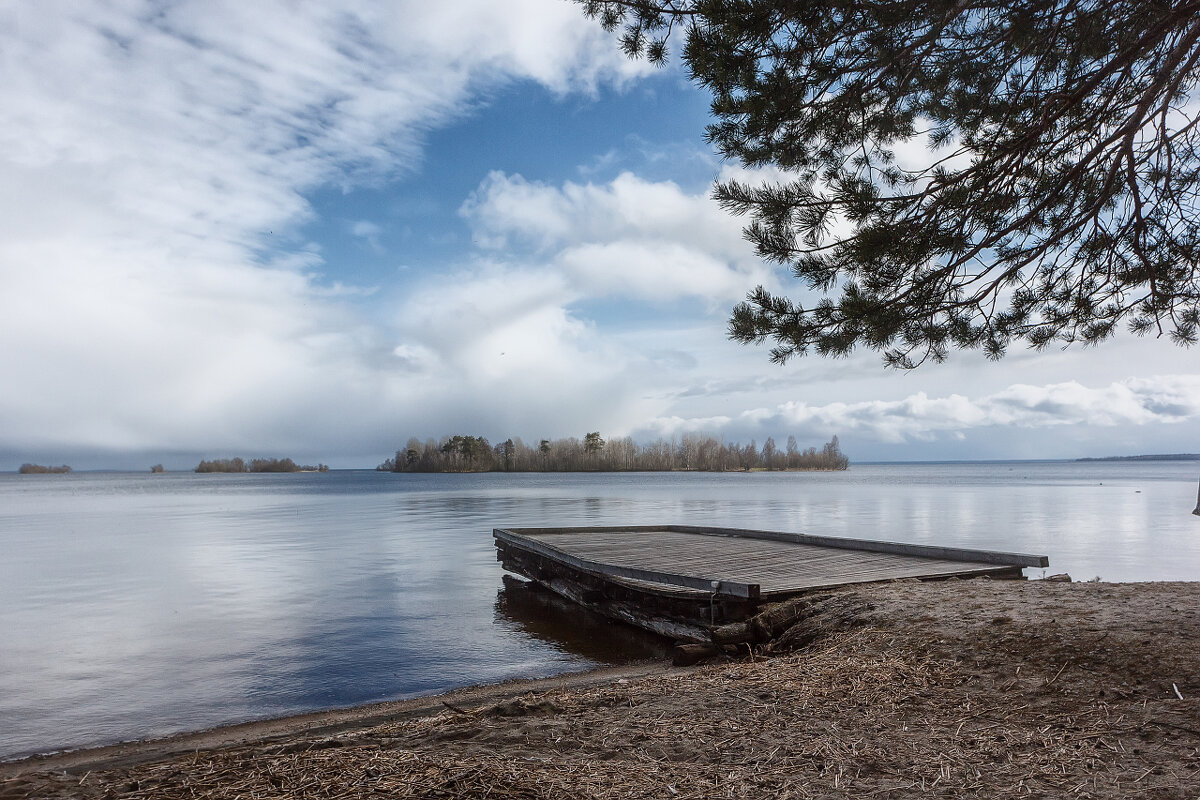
691,452
258,465
39,469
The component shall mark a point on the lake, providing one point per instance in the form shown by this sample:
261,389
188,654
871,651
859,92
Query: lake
135,605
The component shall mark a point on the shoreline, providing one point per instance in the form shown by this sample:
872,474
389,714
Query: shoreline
314,723
956,688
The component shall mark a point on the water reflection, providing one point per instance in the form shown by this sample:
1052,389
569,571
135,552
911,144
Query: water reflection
545,616
136,605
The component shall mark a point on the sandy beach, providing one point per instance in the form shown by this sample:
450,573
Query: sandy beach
956,688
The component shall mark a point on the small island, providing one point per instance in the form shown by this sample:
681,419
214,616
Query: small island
38,469
258,465
688,453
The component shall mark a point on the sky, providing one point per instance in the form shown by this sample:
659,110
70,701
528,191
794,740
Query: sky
315,230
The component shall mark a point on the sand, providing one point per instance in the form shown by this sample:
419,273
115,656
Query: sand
952,689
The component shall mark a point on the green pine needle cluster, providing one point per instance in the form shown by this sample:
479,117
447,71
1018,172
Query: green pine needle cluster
1056,202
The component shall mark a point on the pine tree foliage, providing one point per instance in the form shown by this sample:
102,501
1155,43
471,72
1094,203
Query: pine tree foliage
1056,199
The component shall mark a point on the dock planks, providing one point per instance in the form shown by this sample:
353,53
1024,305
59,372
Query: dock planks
753,564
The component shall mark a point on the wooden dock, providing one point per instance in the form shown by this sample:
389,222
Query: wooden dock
681,580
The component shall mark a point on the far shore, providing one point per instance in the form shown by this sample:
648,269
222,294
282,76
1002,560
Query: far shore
955,688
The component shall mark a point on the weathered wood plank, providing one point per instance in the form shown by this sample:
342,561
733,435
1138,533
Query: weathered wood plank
866,545
718,586
870,545
773,565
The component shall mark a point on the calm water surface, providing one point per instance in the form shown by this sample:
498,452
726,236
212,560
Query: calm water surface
134,605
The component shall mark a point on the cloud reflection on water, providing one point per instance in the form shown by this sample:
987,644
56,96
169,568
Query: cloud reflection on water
132,606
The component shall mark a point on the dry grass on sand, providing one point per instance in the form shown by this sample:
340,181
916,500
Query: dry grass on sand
953,689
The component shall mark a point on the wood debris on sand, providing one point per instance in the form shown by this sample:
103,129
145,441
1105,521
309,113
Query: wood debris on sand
975,689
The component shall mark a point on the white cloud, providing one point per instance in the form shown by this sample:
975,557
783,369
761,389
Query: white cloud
629,237
157,294
655,270
507,326
369,233
156,154
1136,402
475,318
675,425
495,350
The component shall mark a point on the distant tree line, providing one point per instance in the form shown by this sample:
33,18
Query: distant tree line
38,469
694,452
1149,457
258,465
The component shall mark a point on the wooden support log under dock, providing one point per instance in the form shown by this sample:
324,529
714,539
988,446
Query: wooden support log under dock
685,655
630,613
